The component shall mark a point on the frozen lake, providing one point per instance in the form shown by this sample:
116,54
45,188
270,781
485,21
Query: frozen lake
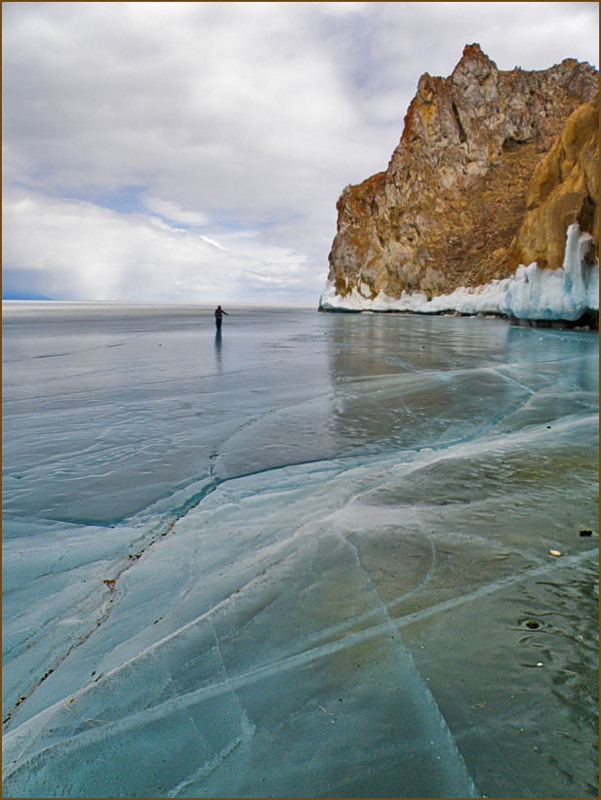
309,558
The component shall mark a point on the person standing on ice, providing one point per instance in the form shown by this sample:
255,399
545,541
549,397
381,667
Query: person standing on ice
219,312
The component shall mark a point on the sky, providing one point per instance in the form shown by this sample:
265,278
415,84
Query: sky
194,152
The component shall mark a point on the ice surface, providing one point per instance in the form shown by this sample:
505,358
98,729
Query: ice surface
298,560
532,293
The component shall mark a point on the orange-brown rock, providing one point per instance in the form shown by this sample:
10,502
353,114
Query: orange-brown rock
564,189
456,206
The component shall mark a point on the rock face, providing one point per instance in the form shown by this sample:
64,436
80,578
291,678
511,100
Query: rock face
491,169
563,190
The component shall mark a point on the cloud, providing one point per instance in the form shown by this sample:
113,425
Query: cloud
74,249
218,118
174,212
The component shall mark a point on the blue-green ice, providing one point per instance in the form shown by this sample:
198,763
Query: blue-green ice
322,555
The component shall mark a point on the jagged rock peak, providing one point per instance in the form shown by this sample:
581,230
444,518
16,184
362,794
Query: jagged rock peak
474,62
453,197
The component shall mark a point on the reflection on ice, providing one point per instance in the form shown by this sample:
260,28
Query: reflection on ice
299,563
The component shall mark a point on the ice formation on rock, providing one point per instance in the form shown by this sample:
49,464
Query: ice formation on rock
532,293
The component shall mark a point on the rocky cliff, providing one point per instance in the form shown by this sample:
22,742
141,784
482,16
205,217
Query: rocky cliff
491,169
563,190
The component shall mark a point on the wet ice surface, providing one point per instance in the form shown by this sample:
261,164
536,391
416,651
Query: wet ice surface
311,558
